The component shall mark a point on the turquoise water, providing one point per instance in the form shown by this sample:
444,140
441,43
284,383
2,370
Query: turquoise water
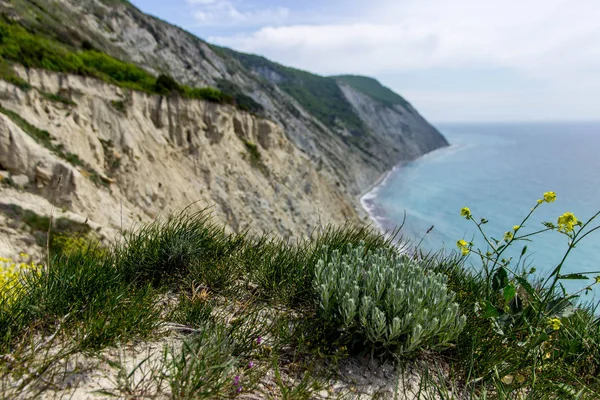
499,171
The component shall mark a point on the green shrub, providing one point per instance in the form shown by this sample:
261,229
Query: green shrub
166,85
372,88
118,105
319,95
37,51
70,243
386,301
255,157
105,67
208,94
243,101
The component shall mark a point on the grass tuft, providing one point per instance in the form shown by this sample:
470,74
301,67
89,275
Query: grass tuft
247,310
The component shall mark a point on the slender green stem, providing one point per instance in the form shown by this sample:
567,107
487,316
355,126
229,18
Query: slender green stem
555,275
532,234
499,253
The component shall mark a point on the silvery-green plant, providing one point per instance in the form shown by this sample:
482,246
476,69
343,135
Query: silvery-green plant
386,300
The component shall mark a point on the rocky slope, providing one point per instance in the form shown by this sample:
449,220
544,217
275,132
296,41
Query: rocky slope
155,155
121,156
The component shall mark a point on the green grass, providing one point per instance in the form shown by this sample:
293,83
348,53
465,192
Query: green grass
58,98
484,357
247,305
33,50
255,158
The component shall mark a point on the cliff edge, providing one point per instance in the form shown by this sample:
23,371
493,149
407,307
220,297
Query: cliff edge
287,152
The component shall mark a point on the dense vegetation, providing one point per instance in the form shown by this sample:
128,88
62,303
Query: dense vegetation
35,51
300,306
319,95
372,88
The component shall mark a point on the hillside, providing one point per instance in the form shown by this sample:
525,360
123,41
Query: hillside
181,221
95,79
121,30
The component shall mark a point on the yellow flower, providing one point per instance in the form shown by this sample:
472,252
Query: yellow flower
549,197
508,236
11,274
597,279
554,323
540,201
567,222
516,227
465,212
463,247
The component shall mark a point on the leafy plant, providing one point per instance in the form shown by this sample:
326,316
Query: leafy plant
166,85
522,334
203,367
385,300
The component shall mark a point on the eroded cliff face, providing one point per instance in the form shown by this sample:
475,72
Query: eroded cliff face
349,160
405,132
115,157
140,156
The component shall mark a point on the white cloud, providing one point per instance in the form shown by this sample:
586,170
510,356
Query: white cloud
555,104
212,13
438,33
556,42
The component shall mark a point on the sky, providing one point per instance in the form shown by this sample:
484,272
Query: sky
454,60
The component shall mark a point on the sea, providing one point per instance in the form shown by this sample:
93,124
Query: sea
499,171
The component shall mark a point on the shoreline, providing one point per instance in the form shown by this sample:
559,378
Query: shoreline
368,194
376,215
